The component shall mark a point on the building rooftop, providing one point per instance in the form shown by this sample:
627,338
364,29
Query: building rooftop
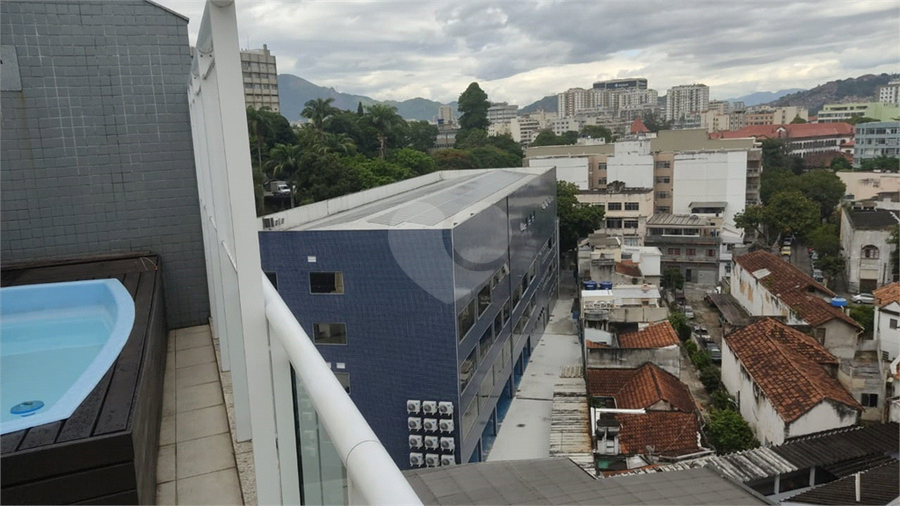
629,268
561,481
679,220
717,204
877,219
877,486
436,201
657,335
640,388
794,287
786,365
668,433
887,294
798,131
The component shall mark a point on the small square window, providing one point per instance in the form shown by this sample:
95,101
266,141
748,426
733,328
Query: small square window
869,400
330,333
893,323
326,282
614,206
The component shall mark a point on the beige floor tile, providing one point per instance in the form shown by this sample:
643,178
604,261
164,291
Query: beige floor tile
189,341
196,375
201,423
198,396
165,493
165,464
198,329
194,356
204,455
167,430
221,487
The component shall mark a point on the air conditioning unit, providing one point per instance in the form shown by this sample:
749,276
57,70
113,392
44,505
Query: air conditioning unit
415,441
432,460
448,460
429,407
412,407
431,442
430,425
446,426
445,408
448,444
416,460
414,423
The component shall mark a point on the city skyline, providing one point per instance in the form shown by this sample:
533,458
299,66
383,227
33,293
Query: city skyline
520,53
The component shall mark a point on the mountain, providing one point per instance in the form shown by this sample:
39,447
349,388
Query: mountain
860,89
548,103
294,92
763,97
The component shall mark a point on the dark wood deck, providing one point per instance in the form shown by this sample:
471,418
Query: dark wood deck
106,451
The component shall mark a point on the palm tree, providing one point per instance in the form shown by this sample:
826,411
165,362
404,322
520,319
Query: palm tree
383,119
317,111
259,123
284,159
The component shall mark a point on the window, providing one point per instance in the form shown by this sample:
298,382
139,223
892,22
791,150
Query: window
326,282
600,205
517,296
344,379
601,166
484,344
506,311
499,275
662,195
467,370
663,180
893,323
870,252
820,335
465,319
710,252
601,181
484,299
614,206
691,252
330,333
869,400
630,223
673,251
632,206
614,223
663,209
470,416
498,324
664,165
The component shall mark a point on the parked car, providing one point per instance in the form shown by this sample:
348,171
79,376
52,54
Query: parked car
689,312
715,353
788,240
818,276
863,298
701,333
786,251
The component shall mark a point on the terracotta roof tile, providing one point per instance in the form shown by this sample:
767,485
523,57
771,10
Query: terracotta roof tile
793,286
658,335
791,131
887,294
638,127
628,268
785,364
592,344
640,388
668,433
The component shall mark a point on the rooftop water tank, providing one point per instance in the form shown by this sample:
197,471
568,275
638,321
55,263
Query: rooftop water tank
606,285
590,285
838,302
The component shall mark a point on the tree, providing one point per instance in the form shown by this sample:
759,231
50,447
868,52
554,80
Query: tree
546,138
259,125
680,324
284,160
729,432
508,144
775,154
654,122
753,220
790,212
881,163
597,132
472,138
384,119
856,120
416,161
839,163
865,316
489,157
453,159
673,279
359,109
317,111
797,120
473,106
576,219
822,187
422,135
569,137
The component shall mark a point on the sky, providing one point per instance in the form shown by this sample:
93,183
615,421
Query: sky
521,51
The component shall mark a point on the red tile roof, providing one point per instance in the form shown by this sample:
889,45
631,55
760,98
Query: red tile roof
640,388
887,294
785,364
790,131
592,344
638,127
628,268
792,286
658,335
668,433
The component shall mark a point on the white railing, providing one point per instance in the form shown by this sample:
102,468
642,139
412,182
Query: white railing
372,476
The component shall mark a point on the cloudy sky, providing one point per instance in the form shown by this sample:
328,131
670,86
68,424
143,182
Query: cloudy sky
520,51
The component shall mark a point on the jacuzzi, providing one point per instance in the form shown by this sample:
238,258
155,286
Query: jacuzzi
57,340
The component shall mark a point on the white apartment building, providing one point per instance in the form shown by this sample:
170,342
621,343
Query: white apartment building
502,112
717,178
569,124
686,101
574,169
627,211
574,100
866,244
445,115
260,78
889,93
775,116
887,320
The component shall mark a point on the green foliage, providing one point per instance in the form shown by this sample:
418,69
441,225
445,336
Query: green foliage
576,220
655,122
569,137
680,324
839,163
489,157
710,376
689,346
775,155
882,163
753,220
825,239
470,138
865,316
701,359
508,144
797,120
597,132
284,160
673,278
822,187
422,135
453,159
831,265
729,432
386,123
720,399
857,120
790,212
416,161
548,138
473,105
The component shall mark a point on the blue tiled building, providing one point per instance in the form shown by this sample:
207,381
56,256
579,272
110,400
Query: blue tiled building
426,297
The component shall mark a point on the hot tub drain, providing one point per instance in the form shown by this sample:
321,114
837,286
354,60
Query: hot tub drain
26,408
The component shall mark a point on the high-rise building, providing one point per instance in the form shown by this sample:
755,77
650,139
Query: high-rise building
574,100
635,83
260,78
445,115
686,101
501,112
890,93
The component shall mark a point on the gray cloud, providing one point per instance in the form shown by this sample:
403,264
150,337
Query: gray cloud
521,51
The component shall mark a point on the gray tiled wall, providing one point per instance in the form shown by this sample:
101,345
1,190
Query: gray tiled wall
96,145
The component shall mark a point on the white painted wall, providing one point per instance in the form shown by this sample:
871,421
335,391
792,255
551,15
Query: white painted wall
631,163
756,299
858,267
710,177
575,169
824,416
890,337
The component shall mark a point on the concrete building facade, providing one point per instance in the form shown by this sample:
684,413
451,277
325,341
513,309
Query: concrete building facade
866,245
876,139
835,113
889,93
260,78
627,211
411,294
686,101
502,112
